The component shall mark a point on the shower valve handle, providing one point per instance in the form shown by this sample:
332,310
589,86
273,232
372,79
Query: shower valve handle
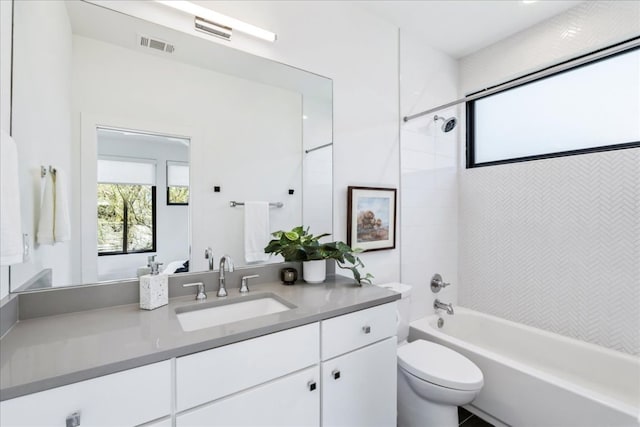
437,283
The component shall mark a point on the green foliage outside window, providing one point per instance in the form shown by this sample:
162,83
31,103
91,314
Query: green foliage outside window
125,218
177,195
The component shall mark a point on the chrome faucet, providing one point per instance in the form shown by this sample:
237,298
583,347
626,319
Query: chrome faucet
208,254
437,304
225,260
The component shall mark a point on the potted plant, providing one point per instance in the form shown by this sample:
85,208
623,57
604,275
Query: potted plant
298,245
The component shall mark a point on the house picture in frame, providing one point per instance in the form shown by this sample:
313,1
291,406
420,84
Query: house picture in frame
371,218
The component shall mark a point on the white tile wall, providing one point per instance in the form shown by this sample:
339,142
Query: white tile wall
428,196
582,29
555,243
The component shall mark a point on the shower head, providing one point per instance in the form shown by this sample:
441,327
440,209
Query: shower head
449,124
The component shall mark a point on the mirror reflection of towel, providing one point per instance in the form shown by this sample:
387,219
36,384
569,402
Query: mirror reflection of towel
62,224
256,231
10,219
54,225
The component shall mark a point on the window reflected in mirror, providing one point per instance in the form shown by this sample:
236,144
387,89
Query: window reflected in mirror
177,183
133,220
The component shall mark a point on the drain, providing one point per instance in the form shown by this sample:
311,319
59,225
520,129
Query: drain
440,322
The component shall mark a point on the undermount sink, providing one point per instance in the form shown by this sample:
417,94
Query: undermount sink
216,313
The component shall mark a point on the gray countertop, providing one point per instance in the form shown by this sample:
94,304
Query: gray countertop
42,353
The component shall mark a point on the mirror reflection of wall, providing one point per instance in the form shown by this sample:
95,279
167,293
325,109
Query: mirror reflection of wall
78,67
135,216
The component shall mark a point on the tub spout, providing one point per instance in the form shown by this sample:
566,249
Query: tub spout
437,304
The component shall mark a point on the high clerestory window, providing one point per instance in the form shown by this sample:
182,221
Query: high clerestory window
126,206
592,107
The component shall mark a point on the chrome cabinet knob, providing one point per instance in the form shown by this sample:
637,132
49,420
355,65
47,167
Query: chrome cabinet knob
437,283
366,329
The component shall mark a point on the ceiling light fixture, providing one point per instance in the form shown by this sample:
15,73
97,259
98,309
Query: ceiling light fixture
221,20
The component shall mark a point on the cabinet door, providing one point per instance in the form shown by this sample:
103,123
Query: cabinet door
213,374
293,400
359,388
125,398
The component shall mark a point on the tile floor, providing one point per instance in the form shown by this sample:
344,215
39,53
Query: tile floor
467,419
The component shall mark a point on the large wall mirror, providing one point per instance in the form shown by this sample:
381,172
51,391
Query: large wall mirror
146,135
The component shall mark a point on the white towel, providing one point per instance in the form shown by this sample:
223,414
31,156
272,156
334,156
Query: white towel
62,224
10,219
173,266
45,224
54,225
256,231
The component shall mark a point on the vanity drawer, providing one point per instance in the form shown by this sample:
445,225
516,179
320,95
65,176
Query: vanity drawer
212,374
293,400
354,330
129,397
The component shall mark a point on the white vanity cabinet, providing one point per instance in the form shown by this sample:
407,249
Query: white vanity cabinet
293,400
125,398
285,379
336,372
359,368
212,374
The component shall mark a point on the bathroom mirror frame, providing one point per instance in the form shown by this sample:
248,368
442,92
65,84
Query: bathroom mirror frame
306,147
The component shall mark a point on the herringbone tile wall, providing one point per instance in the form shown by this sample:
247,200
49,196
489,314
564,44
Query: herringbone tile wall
555,244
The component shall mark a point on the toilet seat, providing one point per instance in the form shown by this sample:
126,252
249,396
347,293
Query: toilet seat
439,365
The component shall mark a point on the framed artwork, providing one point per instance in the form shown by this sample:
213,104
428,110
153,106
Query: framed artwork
371,216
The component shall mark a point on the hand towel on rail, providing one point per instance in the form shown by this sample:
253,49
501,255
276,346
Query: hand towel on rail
62,224
47,212
256,231
54,224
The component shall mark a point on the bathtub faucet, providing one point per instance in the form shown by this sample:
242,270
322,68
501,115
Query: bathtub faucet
437,304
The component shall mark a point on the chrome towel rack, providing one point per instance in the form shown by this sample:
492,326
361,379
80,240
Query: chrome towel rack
233,204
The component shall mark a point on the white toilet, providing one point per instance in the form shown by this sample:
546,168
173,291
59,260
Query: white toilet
433,380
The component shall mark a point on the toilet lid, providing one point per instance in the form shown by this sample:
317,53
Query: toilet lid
439,365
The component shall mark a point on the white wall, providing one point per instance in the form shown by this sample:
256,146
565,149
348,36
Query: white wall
5,99
358,52
317,166
172,221
555,243
250,130
41,122
429,159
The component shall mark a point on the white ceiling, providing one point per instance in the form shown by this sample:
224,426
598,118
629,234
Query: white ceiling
461,27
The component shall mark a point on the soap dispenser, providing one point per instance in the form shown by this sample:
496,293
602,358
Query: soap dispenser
154,288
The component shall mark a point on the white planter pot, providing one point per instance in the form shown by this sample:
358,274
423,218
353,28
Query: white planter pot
314,271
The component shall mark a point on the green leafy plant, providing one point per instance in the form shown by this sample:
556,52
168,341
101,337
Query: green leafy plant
299,245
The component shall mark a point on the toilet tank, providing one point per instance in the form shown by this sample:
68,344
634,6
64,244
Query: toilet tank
404,308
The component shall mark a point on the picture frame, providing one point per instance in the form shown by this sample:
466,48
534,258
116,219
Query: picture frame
371,218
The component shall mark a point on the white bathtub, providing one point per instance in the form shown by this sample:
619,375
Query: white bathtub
537,378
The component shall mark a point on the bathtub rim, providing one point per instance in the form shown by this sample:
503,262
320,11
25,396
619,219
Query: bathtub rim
612,403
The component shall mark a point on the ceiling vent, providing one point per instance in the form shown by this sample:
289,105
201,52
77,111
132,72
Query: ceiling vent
155,44
213,29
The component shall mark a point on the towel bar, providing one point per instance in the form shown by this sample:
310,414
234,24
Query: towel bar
233,204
